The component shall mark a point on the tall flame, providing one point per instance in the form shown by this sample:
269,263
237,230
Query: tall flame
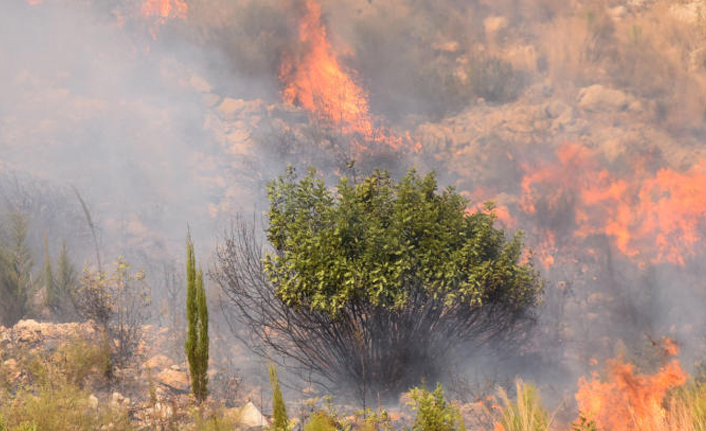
628,401
314,79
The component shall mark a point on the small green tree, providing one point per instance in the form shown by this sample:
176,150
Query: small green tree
60,284
51,300
16,265
196,345
377,282
65,282
280,420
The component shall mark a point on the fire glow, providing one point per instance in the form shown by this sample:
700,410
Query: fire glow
629,401
656,217
164,9
313,79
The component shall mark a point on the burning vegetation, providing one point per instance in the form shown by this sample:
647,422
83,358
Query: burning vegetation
570,136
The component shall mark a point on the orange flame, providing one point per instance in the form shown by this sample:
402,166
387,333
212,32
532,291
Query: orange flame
164,9
314,79
657,217
629,401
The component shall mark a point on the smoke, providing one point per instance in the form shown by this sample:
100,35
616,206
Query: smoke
164,121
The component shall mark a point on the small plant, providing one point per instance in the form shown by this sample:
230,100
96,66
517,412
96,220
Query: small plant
151,388
280,420
80,359
215,421
526,413
320,421
118,304
434,413
583,424
374,421
495,80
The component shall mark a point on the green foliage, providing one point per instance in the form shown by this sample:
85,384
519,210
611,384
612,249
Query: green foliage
374,421
196,345
376,241
434,413
526,412
16,263
320,421
584,424
280,420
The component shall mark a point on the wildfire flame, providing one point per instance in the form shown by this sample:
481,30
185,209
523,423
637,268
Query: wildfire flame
164,9
314,79
630,401
161,11
649,216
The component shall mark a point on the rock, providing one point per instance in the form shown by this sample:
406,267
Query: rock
555,108
157,362
163,411
93,401
688,13
174,380
599,98
494,24
28,331
117,398
230,107
200,84
618,12
251,418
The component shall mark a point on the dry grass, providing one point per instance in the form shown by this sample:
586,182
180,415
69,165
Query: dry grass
526,412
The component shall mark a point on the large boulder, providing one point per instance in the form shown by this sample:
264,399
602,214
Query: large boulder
158,362
599,98
251,419
175,380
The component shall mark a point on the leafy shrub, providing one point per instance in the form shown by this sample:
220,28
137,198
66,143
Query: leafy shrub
375,421
353,270
320,421
526,412
434,413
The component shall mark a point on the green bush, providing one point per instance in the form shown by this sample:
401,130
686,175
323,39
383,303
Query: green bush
320,421
434,413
